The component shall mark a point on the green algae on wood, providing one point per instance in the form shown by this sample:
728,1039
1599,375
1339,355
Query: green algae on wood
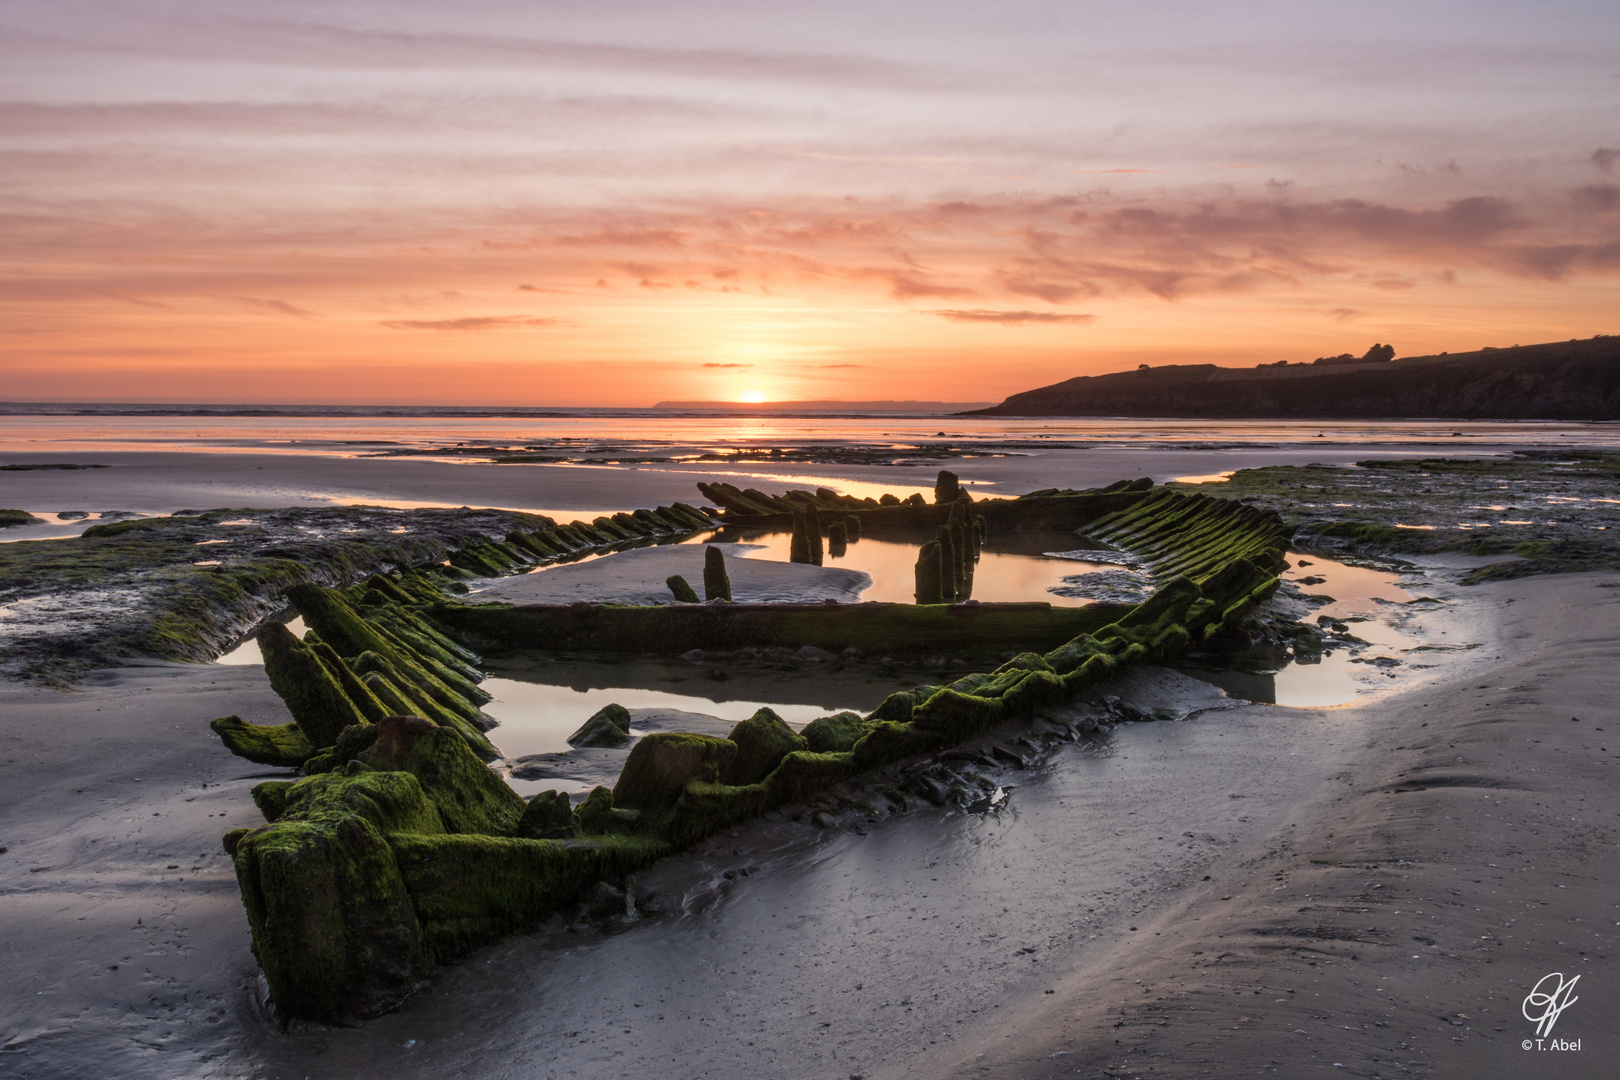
284,746
763,740
929,575
681,590
870,627
663,763
836,733
312,694
470,872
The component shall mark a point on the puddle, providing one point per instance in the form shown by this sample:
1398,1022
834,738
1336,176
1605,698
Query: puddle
247,651
53,526
1370,605
1011,568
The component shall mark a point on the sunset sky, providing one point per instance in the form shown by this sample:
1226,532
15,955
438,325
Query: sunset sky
502,202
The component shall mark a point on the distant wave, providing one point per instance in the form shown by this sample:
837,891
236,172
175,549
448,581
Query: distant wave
822,409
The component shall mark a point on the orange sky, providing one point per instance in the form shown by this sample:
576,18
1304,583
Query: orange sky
586,209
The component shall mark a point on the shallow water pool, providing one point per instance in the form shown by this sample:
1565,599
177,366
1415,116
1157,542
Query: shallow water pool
1371,604
540,701
1020,567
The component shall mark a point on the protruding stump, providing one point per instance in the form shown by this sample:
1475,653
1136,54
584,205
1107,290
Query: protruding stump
946,487
799,546
947,563
837,539
812,532
716,582
928,584
684,593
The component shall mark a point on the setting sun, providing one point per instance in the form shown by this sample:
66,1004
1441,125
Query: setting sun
751,397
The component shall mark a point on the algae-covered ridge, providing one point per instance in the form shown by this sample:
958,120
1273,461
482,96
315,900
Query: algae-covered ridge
400,850
1557,511
185,587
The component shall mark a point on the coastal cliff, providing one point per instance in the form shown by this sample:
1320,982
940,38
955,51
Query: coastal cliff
1573,380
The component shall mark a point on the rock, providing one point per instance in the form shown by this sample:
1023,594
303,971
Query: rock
931,789
548,817
609,727
684,593
763,740
663,763
1002,754
810,654
693,656
9,518
604,902
835,734
72,515
716,582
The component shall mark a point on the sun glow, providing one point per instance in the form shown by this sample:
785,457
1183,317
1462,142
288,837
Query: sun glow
751,397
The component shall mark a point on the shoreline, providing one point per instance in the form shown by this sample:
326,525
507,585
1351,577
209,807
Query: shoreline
84,796
1395,923
128,943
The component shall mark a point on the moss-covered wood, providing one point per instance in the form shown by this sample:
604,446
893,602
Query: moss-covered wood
870,627
716,582
284,746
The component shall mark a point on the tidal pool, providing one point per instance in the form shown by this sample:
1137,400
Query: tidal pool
1019,566
1373,607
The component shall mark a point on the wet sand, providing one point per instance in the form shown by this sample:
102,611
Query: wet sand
910,945
163,482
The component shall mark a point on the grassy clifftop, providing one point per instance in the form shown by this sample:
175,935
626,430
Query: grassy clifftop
1572,380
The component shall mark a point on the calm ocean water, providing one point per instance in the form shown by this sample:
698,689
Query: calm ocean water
582,431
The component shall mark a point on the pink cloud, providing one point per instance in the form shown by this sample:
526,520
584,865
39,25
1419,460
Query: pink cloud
471,323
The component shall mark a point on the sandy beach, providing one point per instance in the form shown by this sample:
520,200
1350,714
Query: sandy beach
1370,889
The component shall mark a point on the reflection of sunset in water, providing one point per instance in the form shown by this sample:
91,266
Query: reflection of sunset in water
997,576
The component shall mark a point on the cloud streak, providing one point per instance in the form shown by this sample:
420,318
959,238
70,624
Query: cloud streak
471,323
275,307
1011,318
